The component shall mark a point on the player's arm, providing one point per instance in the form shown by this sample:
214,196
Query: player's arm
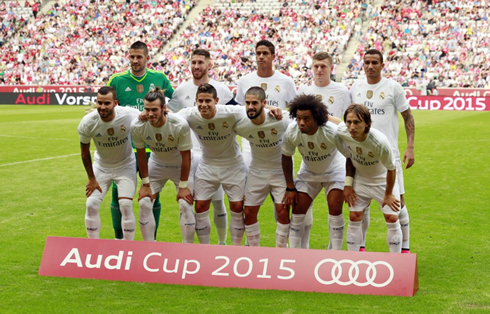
409,156
145,190
92,183
334,119
389,198
350,196
184,192
291,196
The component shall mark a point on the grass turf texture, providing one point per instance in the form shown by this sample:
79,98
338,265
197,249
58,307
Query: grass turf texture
445,189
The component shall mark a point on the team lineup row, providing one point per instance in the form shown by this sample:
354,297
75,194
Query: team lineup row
216,161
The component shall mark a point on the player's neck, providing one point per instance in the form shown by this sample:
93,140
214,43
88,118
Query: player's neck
312,132
265,72
160,123
203,80
322,83
139,73
374,80
260,119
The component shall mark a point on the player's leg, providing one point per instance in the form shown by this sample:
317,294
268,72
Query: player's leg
203,223
252,228
356,215
233,181
297,225
220,218
335,200
278,190
146,219
116,213
157,206
126,181
366,220
92,217
403,216
394,233
206,183
186,213
305,240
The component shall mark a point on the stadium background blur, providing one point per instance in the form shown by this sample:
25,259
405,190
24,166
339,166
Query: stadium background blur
426,43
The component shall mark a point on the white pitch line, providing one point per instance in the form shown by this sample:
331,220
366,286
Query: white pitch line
36,138
34,160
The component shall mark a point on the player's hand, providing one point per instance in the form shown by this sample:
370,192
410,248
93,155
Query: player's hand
290,199
145,191
143,117
186,195
409,158
350,196
276,112
91,186
391,201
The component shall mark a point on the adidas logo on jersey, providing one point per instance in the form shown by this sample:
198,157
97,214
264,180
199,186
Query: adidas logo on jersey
98,135
199,127
188,97
148,138
301,145
251,136
127,89
359,95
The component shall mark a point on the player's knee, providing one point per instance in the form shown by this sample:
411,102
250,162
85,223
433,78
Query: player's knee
355,216
145,206
236,207
93,205
391,218
126,206
282,214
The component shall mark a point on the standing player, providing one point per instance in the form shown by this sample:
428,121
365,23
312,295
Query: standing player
333,95
185,96
109,127
322,167
221,162
265,175
169,139
385,98
131,87
372,155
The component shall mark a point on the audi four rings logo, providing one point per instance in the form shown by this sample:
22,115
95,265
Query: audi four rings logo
371,272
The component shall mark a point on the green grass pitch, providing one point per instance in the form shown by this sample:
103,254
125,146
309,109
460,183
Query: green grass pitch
42,194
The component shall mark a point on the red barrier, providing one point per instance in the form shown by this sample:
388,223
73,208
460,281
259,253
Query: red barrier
230,266
449,103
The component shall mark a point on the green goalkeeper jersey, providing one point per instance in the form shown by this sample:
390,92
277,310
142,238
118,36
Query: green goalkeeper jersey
131,90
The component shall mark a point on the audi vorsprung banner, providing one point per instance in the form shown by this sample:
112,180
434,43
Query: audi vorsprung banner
232,266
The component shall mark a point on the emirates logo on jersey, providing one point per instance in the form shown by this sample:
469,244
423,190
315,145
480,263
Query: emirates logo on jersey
110,131
211,126
225,125
263,86
331,100
123,128
273,132
382,96
140,88
323,146
158,137
261,134
170,138
311,145
369,94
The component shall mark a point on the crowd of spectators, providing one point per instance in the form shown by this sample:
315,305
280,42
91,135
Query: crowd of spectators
84,42
444,43
298,29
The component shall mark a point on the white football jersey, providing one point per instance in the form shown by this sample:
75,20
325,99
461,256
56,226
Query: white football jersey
216,135
319,150
112,139
265,140
383,100
165,142
371,158
335,96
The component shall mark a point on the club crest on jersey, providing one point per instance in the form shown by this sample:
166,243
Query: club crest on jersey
311,145
123,128
331,100
225,125
110,131
263,86
211,126
323,146
170,138
359,150
370,154
369,94
261,134
318,97
140,88
382,95
273,132
158,137
277,89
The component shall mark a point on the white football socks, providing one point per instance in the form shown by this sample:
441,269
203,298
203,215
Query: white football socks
354,236
187,221
237,227
128,221
305,239
203,227
220,219
146,219
296,230
394,237
92,218
253,234
282,234
336,232
405,225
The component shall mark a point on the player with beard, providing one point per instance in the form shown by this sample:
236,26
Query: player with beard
131,87
169,138
109,128
184,96
384,99
265,175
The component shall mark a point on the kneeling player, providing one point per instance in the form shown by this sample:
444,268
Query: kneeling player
168,137
369,151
